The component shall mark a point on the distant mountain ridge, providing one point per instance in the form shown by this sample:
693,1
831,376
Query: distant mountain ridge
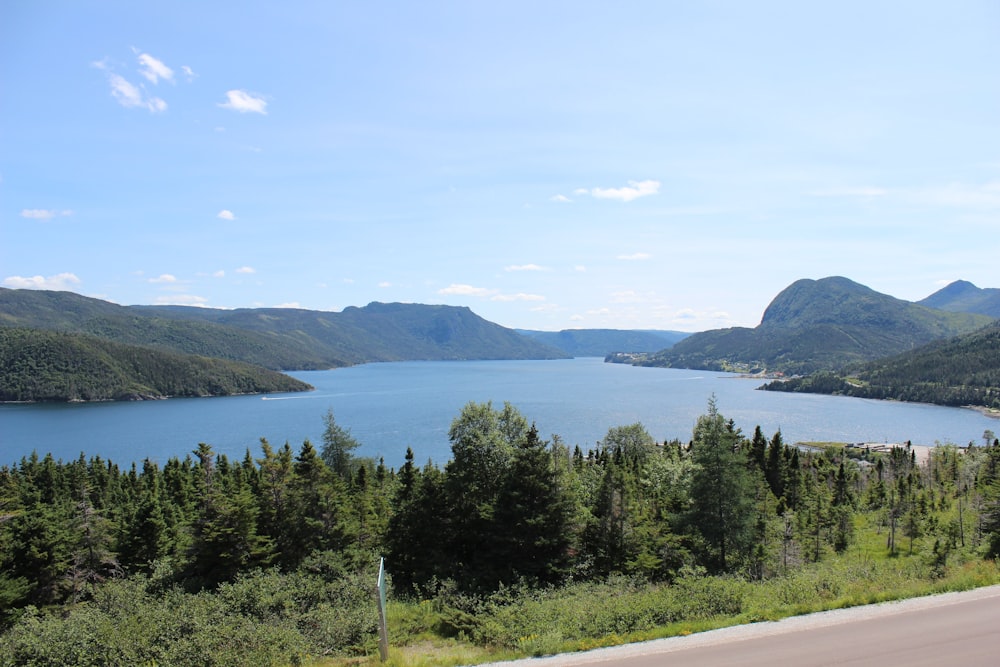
817,325
279,338
602,342
964,297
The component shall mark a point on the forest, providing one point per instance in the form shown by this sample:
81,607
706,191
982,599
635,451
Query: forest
516,544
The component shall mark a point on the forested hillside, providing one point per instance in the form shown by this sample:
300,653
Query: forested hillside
816,325
279,338
962,296
959,371
515,543
602,342
49,366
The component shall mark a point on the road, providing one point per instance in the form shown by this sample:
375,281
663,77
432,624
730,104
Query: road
957,629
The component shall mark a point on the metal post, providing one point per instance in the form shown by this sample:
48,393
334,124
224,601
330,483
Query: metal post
383,630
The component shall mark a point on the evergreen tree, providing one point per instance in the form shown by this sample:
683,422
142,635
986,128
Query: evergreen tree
338,447
532,516
722,492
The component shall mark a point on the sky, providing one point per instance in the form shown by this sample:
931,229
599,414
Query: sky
550,165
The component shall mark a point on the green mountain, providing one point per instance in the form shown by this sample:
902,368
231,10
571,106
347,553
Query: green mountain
962,296
602,342
964,370
817,325
279,338
38,365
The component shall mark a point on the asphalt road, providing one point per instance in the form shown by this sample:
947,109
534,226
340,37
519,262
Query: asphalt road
954,629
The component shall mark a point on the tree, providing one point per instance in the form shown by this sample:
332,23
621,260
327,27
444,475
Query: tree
532,516
483,441
722,492
338,447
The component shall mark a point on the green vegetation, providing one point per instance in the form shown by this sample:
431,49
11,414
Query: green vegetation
515,547
47,366
602,342
962,296
817,325
960,371
278,338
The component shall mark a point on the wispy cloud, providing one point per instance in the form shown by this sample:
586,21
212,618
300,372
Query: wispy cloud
244,102
635,257
520,296
226,214
562,199
44,214
60,281
525,267
130,96
164,279
246,269
633,190
181,300
456,289
854,191
154,70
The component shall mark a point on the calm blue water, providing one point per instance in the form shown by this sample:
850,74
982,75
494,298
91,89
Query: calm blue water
391,406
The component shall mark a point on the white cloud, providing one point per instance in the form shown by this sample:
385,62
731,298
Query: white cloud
244,102
290,304
60,281
130,96
164,278
219,274
635,257
562,199
466,290
384,284
43,214
633,190
188,72
181,300
226,214
154,69
525,267
518,297
246,269
580,268
862,191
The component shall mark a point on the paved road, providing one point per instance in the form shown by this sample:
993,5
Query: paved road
955,629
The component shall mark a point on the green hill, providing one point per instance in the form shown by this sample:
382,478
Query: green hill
279,338
964,370
602,342
38,365
962,296
817,325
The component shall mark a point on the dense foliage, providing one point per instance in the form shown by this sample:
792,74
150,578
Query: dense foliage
960,371
48,366
962,296
602,342
278,338
270,559
816,325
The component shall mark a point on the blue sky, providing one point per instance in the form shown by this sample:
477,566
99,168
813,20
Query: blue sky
551,165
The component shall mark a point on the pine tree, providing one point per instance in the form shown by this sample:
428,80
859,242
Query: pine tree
722,492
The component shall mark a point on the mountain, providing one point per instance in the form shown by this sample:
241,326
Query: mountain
602,342
964,370
279,338
962,296
38,365
819,325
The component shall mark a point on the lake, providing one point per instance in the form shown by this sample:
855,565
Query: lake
391,406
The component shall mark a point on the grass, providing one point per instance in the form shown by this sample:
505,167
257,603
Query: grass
588,615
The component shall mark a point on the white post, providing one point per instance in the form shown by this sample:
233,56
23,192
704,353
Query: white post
383,630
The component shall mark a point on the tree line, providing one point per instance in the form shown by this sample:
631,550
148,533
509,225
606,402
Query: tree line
508,508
